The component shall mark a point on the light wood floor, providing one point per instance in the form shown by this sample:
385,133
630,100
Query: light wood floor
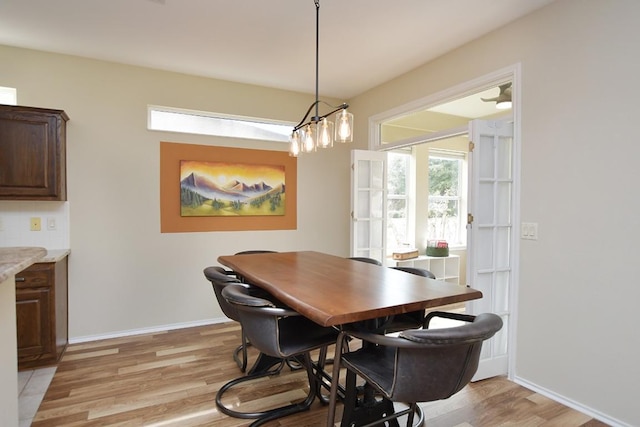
171,378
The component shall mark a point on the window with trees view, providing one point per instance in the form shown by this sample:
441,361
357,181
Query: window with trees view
446,190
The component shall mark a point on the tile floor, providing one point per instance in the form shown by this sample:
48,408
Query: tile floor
32,385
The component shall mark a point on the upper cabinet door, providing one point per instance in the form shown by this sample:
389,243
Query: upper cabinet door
32,153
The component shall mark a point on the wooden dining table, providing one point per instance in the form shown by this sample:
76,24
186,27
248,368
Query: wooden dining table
333,290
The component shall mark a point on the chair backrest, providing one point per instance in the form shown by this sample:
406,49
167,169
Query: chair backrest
255,251
423,365
365,259
417,271
219,280
446,359
272,328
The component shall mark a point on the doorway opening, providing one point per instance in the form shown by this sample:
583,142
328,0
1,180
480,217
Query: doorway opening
428,168
490,257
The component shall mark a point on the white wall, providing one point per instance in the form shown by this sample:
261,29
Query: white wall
124,275
578,282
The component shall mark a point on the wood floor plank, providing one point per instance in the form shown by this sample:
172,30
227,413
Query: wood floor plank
170,378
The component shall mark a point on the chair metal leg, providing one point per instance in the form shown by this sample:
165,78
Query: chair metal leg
335,377
242,348
270,414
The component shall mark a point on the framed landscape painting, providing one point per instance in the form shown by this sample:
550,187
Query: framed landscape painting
231,189
212,188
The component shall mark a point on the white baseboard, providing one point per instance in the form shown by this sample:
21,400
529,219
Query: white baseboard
571,404
155,329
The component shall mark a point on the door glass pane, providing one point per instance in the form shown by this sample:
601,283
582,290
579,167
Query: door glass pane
501,304
484,251
503,205
376,254
500,338
486,157
485,207
377,207
504,158
363,174
363,234
377,174
363,204
376,234
502,245
483,284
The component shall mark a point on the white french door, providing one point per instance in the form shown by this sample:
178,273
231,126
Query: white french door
368,204
490,234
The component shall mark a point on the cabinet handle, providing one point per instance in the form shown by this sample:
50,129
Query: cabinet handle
20,279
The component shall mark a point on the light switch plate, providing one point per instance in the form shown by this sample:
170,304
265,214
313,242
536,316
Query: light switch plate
529,230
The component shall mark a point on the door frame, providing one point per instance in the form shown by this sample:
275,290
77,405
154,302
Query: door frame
510,73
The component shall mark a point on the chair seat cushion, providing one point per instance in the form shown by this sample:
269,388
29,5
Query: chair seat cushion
298,334
375,363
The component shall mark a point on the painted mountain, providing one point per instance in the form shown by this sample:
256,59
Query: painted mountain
200,196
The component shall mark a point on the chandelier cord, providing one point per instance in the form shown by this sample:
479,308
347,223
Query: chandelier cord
316,104
319,131
317,2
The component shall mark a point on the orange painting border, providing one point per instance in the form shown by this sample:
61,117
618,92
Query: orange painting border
170,220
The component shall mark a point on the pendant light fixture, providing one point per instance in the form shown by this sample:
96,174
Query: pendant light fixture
319,131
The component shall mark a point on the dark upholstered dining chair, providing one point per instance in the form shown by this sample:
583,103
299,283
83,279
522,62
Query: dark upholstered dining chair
413,319
419,365
219,280
278,332
247,252
366,259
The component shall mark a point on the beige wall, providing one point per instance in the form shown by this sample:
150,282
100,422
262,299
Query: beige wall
578,293
124,275
8,355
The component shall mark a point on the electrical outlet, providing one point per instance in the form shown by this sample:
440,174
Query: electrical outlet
35,223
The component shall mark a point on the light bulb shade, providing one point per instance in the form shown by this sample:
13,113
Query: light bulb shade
308,138
344,126
503,105
324,135
294,144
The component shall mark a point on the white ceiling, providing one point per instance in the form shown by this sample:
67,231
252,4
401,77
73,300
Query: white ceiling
363,43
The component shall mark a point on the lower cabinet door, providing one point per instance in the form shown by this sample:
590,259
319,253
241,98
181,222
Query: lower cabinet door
34,330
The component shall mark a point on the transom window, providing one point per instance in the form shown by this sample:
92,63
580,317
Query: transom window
8,95
216,124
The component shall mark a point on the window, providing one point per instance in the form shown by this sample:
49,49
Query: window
205,123
8,95
399,169
447,188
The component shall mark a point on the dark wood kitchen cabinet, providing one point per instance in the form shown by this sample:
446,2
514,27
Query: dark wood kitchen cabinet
41,314
32,153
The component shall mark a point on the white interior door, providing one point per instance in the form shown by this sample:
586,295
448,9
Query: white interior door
368,204
491,233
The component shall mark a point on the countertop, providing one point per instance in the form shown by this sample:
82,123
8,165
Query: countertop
55,255
13,260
